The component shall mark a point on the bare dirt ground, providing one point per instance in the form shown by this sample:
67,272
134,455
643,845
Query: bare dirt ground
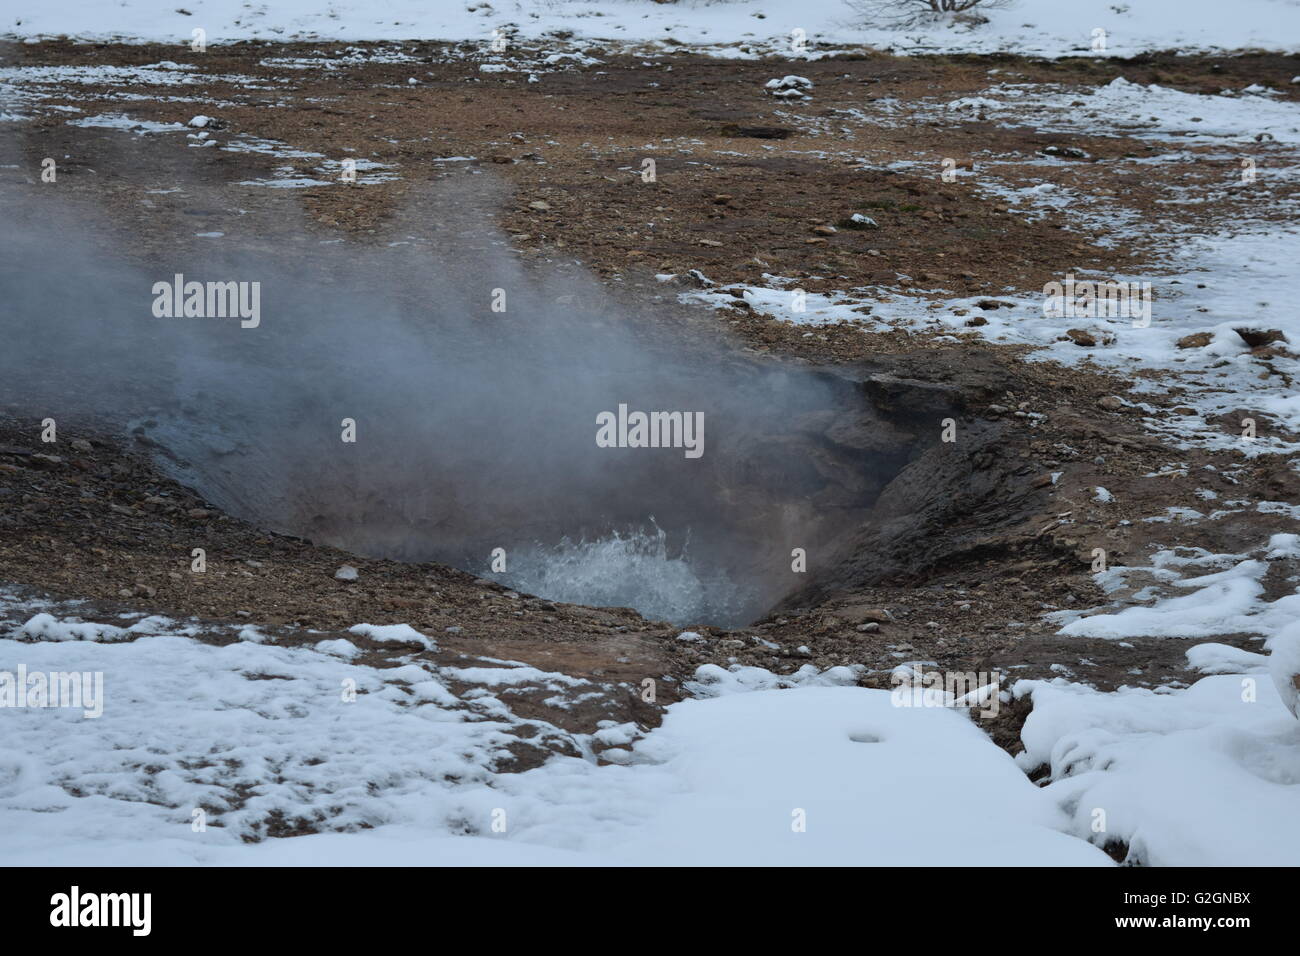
741,191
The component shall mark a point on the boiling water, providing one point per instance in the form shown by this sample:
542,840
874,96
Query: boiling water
635,569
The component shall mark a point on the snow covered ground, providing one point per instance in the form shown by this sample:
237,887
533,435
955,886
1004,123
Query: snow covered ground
821,772
1199,775
800,770
1041,27
1207,275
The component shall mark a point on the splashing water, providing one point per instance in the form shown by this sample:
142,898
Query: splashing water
631,569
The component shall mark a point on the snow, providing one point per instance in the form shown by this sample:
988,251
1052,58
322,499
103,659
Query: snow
1200,775
1143,111
1206,776
404,771
1284,666
1226,601
398,633
1041,27
118,121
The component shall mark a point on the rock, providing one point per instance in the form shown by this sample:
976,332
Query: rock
860,613
1111,403
824,230
976,321
540,204
346,573
869,628
80,444
790,82
1081,337
1197,340
198,514
1257,338
1070,152
695,279
454,629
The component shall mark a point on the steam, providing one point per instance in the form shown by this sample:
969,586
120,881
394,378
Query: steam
475,429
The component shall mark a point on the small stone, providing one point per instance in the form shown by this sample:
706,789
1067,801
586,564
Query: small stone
1111,403
869,628
80,444
540,204
346,573
1257,338
1197,340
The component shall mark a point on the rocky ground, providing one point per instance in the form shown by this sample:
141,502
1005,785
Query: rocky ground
745,185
